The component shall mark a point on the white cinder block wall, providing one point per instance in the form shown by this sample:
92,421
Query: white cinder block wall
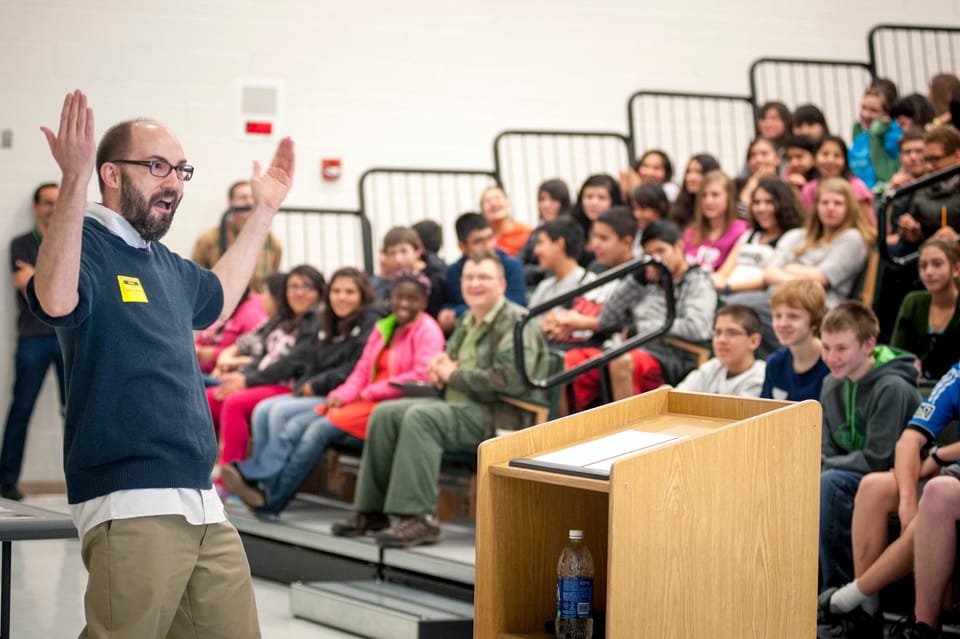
418,83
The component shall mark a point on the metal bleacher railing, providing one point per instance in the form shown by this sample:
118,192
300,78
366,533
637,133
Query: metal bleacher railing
684,124
836,86
325,238
392,196
522,160
912,54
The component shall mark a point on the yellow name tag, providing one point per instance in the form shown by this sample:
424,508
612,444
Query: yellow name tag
131,290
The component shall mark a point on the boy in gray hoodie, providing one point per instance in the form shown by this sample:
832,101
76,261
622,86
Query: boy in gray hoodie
867,399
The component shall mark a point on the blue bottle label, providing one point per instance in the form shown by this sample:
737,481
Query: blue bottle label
574,597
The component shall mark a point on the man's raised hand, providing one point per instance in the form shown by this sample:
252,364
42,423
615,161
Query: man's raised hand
271,187
74,146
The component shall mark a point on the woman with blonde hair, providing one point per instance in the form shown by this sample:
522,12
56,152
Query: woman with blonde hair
831,249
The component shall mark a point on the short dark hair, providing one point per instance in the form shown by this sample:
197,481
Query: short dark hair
804,142
113,145
667,164
567,228
662,230
236,185
401,235
914,106
744,315
651,196
810,114
946,136
620,218
469,222
431,235
912,134
37,192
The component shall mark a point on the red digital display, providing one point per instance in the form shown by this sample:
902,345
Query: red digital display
260,128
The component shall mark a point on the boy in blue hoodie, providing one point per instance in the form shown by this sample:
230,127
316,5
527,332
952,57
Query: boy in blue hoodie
867,399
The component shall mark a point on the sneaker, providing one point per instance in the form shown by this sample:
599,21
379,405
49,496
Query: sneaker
909,628
411,531
856,624
359,524
250,495
10,491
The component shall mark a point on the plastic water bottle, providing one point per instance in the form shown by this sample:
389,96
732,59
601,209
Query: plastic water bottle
575,590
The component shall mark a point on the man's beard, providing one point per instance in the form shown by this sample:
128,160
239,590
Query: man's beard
135,208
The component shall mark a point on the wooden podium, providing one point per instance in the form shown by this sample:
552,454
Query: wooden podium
713,535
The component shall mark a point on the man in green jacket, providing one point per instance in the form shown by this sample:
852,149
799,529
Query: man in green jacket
406,438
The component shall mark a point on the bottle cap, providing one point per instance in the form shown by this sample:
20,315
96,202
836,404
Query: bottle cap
576,534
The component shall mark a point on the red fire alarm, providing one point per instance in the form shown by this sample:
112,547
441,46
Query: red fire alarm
259,128
330,168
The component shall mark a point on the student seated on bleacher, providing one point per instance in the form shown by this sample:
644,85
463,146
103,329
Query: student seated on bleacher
597,194
874,153
852,610
799,162
397,351
511,235
431,239
640,307
763,161
867,400
928,324
808,120
611,238
935,209
653,167
402,252
684,207
553,200
734,369
559,244
830,161
650,204
831,249
772,212
795,372
474,235
406,438
716,226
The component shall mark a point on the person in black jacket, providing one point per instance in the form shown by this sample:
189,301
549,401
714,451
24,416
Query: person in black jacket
347,318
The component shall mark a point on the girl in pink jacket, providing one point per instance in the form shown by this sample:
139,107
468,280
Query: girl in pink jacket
397,351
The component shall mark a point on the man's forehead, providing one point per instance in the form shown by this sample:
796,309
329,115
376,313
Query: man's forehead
149,139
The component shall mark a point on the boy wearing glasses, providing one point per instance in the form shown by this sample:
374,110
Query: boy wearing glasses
867,400
139,445
734,369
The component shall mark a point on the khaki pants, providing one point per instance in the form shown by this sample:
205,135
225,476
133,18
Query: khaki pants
161,577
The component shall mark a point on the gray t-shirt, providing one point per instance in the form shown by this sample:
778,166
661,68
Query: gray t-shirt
841,261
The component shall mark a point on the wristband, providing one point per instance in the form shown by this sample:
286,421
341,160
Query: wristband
936,458
726,288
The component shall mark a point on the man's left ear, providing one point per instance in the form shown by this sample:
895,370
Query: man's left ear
755,341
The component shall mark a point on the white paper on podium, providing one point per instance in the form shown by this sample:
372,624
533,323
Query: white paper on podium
601,453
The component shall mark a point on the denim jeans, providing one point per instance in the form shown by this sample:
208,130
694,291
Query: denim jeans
838,488
35,354
317,433
272,440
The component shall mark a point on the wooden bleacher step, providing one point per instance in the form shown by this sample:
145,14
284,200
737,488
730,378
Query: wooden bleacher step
382,610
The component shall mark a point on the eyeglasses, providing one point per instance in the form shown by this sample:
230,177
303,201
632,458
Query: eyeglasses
933,159
482,277
729,333
301,288
162,168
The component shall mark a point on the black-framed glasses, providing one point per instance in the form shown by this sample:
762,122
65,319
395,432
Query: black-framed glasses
162,168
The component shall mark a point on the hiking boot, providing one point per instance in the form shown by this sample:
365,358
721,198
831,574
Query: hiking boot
909,628
414,530
359,524
10,491
856,624
249,494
